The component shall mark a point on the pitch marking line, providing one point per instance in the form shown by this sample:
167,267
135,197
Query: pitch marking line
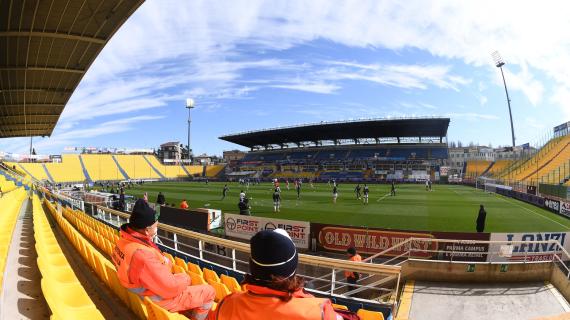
532,211
382,198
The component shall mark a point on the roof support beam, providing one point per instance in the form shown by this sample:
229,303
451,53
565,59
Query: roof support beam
39,68
32,105
36,90
30,115
55,35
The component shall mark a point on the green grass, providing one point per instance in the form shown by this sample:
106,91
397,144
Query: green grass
447,208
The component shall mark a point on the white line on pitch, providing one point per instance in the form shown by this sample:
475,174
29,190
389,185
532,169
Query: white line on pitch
532,211
382,198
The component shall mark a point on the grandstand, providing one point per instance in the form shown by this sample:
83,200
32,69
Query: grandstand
375,150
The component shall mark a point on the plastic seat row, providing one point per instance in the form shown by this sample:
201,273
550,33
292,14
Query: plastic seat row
103,236
62,290
104,268
100,264
10,204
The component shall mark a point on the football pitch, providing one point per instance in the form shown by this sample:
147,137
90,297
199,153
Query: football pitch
451,208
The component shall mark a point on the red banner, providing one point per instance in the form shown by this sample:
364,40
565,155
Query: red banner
369,241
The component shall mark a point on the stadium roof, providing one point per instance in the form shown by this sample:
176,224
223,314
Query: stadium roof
47,47
373,128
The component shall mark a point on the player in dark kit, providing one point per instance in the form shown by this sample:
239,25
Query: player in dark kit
298,188
393,190
335,194
357,191
225,191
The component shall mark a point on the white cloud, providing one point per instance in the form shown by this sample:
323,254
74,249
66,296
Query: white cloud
396,75
314,87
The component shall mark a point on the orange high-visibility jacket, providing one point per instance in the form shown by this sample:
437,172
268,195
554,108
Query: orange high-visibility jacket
264,303
143,269
356,258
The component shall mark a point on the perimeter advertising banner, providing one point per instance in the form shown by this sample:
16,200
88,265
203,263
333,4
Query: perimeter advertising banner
373,240
552,205
565,209
244,227
532,252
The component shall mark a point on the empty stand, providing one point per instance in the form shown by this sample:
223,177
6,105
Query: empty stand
101,167
136,167
69,170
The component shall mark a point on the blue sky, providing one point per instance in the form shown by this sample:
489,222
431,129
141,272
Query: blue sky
259,64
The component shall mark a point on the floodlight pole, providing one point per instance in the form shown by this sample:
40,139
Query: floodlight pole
499,63
189,106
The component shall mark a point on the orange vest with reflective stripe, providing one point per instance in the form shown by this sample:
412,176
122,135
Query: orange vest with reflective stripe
249,305
122,257
355,258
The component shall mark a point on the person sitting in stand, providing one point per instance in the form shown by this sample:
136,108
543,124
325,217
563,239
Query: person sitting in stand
274,290
145,271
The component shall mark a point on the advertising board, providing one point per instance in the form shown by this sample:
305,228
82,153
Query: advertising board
244,227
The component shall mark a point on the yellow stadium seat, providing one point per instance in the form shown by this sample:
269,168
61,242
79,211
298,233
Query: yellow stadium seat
221,290
177,269
69,301
195,268
181,263
369,315
231,283
196,279
339,306
159,313
137,305
210,276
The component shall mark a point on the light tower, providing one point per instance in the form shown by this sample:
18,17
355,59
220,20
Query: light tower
499,63
189,106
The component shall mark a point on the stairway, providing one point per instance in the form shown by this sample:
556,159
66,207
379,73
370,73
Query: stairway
89,180
48,174
153,168
123,172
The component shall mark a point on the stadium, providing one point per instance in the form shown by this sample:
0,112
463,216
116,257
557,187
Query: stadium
396,190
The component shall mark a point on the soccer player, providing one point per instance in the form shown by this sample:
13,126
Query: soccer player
365,199
393,189
225,191
276,200
298,188
287,183
357,191
427,185
335,193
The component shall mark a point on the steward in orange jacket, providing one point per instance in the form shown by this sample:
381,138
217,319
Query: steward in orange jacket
352,277
274,291
144,270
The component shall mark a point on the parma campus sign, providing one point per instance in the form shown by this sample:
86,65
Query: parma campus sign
245,227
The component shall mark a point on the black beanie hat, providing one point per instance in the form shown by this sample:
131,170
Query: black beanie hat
142,216
272,253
